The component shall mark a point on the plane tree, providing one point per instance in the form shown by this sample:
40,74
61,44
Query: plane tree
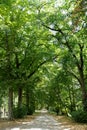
67,22
23,50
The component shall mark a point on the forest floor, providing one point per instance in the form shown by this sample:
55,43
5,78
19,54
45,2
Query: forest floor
42,122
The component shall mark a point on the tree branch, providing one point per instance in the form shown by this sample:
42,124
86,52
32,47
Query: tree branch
43,62
33,72
53,29
81,56
75,76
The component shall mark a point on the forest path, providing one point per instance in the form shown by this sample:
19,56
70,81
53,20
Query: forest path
41,122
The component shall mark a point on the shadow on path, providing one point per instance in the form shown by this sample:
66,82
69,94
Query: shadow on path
42,122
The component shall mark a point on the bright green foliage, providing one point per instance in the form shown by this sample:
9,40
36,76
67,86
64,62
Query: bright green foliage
43,53
67,33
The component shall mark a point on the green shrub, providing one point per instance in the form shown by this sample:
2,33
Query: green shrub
19,112
79,116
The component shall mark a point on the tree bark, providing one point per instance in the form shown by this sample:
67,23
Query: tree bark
10,90
10,104
27,100
83,89
82,79
20,97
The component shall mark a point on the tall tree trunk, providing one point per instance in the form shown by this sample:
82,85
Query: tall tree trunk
30,104
20,97
82,79
71,98
10,104
10,91
83,89
27,100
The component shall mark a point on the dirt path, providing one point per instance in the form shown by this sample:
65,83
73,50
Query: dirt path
42,122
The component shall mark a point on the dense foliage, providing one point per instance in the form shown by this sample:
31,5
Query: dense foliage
43,56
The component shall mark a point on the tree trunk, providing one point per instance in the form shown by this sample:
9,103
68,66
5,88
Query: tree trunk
72,99
30,104
84,91
82,79
10,104
20,97
27,100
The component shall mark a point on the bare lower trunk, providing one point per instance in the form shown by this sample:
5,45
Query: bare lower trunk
84,95
84,91
27,100
10,104
82,79
19,97
72,99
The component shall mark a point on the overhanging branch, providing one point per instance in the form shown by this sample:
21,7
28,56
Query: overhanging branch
74,75
53,29
43,62
66,43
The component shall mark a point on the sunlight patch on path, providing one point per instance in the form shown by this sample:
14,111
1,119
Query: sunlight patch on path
35,129
68,129
15,129
29,129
